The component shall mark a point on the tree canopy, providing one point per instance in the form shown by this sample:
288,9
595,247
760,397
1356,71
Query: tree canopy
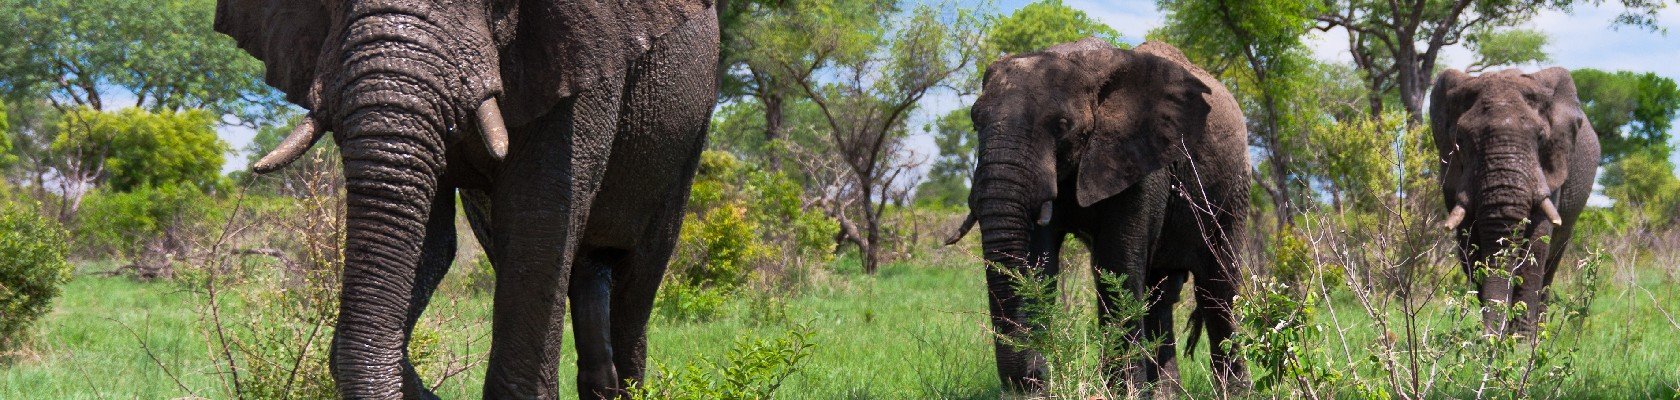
1042,24
1629,110
88,53
137,148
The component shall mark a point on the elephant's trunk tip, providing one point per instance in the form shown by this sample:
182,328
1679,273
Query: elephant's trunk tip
298,142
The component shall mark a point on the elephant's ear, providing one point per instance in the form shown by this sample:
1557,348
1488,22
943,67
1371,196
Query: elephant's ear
1148,106
1568,122
1443,115
287,35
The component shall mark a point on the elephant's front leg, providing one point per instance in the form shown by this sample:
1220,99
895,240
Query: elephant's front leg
540,200
1124,236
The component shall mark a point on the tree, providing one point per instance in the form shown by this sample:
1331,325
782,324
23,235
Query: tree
1643,181
864,79
1257,45
84,53
1397,43
1042,24
135,148
1631,111
773,34
947,180
1506,47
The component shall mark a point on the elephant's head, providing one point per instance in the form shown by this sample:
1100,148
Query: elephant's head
1068,127
1082,117
1508,141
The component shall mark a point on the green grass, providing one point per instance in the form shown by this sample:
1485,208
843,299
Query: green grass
912,331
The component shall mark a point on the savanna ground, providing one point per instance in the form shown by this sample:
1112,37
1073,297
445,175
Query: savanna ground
916,329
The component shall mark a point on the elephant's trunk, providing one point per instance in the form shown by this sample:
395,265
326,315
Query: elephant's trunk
1510,219
1007,198
394,111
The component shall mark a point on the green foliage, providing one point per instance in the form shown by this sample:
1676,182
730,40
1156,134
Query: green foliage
7,158
1279,335
1631,112
743,219
32,272
1507,47
1045,23
163,52
147,223
947,180
1075,345
1644,186
1294,266
138,148
752,369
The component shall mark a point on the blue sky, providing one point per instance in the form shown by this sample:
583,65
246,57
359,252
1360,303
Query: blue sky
1581,39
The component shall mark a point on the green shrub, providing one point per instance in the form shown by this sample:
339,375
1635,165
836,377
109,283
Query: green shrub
683,302
32,271
721,247
1295,267
752,369
150,225
743,221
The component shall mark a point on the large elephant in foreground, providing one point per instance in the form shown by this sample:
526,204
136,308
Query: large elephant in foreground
1138,154
571,130
1520,162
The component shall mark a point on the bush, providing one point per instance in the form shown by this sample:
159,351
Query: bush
744,221
32,271
753,369
151,226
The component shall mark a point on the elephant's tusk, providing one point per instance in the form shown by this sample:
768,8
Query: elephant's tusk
490,126
1454,218
1551,211
290,149
968,223
1045,212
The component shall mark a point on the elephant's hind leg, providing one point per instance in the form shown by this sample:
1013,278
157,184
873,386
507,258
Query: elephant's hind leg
592,308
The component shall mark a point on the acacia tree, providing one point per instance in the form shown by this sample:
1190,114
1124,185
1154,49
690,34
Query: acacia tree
1397,43
865,76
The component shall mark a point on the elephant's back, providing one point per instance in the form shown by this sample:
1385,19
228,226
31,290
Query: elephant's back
1227,129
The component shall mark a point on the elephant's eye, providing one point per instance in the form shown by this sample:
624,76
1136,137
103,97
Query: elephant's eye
1064,124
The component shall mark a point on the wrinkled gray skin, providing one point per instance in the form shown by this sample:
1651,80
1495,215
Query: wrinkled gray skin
606,106
1510,141
1144,159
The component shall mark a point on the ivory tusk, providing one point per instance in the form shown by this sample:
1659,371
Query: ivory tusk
1454,218
493,129
1045,212
968,223
290,149
1551,211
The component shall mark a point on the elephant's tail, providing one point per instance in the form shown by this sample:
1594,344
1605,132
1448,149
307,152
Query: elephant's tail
1196,322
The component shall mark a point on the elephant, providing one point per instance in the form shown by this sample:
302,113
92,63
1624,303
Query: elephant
1515,147
1138,154
570,130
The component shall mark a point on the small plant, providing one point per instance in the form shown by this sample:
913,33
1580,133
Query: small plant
32,272
752,369
1076,347
680,301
